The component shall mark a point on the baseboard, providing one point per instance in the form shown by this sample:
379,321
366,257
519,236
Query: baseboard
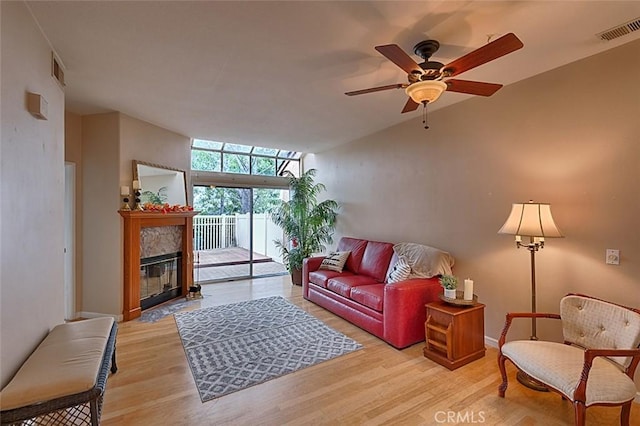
490,341
73,318
118,318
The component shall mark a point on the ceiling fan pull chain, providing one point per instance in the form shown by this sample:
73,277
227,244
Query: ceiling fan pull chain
424,115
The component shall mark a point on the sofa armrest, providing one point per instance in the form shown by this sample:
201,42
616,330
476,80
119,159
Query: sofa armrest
404,309
309,264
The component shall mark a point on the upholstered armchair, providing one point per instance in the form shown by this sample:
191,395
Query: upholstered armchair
596,363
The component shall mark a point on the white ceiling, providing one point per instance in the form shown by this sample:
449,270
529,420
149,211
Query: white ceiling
274,74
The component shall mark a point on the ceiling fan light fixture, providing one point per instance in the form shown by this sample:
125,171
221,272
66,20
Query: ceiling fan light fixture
426,91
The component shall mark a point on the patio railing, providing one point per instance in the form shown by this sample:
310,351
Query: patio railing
212,232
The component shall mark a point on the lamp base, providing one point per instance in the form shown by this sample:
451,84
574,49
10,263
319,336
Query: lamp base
527,381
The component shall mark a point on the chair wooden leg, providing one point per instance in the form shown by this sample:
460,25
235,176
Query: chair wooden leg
579,409
503,372
625,413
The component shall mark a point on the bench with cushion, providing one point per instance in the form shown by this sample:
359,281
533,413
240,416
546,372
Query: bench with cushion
63,380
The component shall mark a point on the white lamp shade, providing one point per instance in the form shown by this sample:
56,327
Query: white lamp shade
530,220
428,90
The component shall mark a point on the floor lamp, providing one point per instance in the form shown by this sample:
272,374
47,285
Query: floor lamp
531,220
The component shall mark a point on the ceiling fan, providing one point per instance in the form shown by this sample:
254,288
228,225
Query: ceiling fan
429,79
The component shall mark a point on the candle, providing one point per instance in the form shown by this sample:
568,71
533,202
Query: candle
136,184
468,289
124,190
518,239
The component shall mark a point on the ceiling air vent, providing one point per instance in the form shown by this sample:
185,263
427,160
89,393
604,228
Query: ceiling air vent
620,30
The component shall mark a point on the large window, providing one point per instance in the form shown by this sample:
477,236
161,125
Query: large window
211,156
234,189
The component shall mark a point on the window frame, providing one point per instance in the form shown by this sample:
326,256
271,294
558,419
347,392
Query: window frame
283,156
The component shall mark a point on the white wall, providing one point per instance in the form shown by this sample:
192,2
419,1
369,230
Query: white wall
32,188
110,143
152,144
568,137
102,273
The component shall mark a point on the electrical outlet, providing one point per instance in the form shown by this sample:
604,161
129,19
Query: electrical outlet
613,257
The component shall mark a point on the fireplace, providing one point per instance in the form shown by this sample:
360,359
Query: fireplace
141,231
160,279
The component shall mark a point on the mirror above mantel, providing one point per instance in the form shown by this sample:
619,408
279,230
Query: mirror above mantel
160,184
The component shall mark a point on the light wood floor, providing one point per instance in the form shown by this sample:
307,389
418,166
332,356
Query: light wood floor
375,385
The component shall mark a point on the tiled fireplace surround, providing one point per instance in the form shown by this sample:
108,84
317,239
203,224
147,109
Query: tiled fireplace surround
159,240
148,234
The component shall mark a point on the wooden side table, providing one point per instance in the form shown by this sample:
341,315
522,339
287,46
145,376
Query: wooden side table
454,334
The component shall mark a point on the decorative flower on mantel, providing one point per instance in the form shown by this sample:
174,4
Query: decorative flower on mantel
166,208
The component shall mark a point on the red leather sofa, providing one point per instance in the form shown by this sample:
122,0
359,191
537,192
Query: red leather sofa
393,312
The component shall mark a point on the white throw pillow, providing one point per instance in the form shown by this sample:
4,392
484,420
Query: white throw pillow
425,261
335,261
399,272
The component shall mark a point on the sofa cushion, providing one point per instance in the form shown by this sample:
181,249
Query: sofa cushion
371,296
343,284
400,271
321,276
425,261
356,247
335,261
375,260
392,263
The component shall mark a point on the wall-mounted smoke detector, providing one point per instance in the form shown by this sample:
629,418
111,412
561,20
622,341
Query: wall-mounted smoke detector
37,105
620,30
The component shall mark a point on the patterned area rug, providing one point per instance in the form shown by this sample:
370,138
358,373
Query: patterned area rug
232,347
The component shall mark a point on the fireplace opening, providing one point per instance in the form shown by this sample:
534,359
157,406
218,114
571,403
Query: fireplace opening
160,279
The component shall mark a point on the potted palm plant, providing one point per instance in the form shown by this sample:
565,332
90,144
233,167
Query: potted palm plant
307,224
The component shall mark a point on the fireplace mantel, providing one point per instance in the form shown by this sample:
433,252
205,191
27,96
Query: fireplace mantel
134,221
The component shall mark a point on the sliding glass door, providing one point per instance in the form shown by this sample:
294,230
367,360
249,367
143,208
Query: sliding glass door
233,235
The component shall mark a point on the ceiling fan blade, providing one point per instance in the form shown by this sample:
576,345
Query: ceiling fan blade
411,105
504,45
398,56
472,87
376,89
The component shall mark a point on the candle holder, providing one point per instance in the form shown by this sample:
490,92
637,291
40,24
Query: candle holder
125,202
138,206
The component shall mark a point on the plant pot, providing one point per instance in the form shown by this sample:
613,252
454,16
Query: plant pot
296,276
450,294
